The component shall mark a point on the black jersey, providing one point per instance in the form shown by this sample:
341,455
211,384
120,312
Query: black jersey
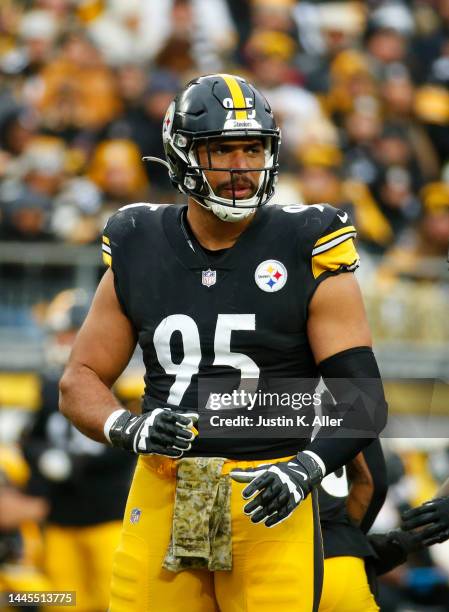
241,314
341,537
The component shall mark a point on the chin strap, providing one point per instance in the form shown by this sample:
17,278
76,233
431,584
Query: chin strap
231,214
226,213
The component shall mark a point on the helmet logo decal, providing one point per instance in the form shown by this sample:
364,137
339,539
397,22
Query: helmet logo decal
270,275
237,100
229,103
238,117
168,122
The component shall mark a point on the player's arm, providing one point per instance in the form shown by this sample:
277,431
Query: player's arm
341,343
361,489
368,485
103,348
431,518
340,339
422,527
337,319
17,508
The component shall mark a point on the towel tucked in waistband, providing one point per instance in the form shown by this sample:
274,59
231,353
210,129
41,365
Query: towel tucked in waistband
201,528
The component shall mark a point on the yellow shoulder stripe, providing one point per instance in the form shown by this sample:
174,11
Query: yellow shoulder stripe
237,96
343,254
332,235
106,251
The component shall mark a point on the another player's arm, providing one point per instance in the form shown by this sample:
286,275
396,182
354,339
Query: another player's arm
421,527
361,489
368,477
102,350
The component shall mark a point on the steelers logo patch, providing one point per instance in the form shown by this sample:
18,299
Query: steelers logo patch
270,275
167,124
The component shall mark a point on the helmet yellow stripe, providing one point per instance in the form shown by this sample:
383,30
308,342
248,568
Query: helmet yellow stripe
237,96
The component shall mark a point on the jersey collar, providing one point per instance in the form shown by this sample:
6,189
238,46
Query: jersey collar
233,257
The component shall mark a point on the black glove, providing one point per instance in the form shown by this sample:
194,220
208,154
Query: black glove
281,486
433,517
392,549
160,432
407,541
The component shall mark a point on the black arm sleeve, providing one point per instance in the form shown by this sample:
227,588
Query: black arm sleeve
353,378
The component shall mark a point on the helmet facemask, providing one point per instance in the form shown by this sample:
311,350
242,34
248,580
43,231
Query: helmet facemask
233,209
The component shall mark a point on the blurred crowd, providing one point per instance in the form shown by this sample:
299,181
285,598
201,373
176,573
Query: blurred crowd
360,90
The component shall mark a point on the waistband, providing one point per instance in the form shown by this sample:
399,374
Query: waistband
166,467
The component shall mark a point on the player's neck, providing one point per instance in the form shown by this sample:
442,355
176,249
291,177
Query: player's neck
210,231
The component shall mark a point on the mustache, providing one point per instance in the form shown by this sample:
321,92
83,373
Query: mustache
240,182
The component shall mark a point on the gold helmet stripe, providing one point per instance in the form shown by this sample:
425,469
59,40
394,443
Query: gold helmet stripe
237,96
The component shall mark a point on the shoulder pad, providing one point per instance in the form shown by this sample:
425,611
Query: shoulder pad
333,247
121,224
310,219
326,237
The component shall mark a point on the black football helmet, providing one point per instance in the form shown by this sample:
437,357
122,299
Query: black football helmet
217,106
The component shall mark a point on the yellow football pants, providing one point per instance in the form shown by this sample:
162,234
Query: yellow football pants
277,568
80,559
345,586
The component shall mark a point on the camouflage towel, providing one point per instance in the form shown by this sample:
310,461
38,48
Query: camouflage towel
201,529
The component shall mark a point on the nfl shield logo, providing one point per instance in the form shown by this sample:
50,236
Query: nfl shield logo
209,277
135,515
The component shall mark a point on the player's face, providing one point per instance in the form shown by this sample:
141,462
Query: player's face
245,156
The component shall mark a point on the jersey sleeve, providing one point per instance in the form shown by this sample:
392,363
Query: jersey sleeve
326,239
106,249
333,250
126,242
115,236
120,231
111,239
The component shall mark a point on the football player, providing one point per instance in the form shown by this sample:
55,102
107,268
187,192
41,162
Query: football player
224,289
348,508
85,483
349,502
